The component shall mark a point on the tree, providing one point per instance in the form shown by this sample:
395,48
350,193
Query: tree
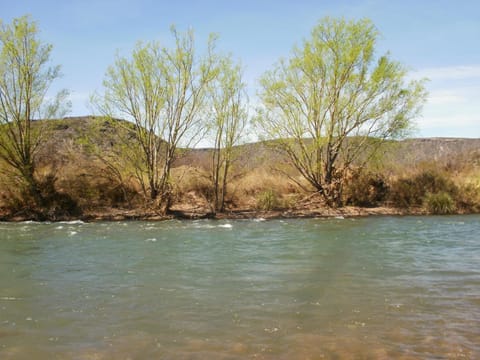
162,91
25,78
334,103
229,116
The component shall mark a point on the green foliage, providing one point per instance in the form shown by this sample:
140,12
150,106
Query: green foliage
25,75
268,200
440,203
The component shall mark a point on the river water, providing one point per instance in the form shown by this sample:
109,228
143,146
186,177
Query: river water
369,288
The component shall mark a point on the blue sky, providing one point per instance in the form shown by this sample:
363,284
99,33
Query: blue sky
435,39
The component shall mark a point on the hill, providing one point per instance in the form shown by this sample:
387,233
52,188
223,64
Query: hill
68,133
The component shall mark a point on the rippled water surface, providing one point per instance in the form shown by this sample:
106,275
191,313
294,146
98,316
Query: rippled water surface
373,288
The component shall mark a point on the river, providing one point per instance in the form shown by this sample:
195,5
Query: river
366,288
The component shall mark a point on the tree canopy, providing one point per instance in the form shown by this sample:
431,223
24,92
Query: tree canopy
25,78
334,102
228,119
162,91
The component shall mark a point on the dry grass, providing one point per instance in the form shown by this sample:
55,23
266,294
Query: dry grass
192,183
92,185
187,179
258,185
468,183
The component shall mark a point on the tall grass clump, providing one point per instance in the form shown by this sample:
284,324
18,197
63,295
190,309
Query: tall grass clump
268,200
440,203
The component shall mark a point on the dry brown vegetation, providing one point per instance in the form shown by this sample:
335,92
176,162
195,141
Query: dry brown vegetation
417,175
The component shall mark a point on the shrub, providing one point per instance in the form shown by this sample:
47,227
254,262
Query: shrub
267,200
365,189
49,204
95,190
56,204
408,192
468,199
439,203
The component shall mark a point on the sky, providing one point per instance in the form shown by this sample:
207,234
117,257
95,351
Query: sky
437,39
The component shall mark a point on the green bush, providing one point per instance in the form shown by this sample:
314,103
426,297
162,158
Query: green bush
439,203
267,200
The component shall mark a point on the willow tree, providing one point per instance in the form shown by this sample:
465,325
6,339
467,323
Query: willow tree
228,120
25,78
162,91
334,102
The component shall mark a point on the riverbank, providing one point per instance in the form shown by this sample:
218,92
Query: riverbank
116,214
249,214
414,176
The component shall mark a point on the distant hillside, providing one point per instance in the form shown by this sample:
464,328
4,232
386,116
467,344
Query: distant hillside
437,149
68,134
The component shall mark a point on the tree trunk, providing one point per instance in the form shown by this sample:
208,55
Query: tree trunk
33,188
224,185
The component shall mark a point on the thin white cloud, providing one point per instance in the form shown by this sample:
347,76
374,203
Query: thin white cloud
452,107
457,121
450,115
457,72
443,97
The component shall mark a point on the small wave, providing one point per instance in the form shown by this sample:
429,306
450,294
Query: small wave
226,226
271,330
33,222
72,233
455,223
167,289
73,222
396,305
340,217
151,240
203,226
